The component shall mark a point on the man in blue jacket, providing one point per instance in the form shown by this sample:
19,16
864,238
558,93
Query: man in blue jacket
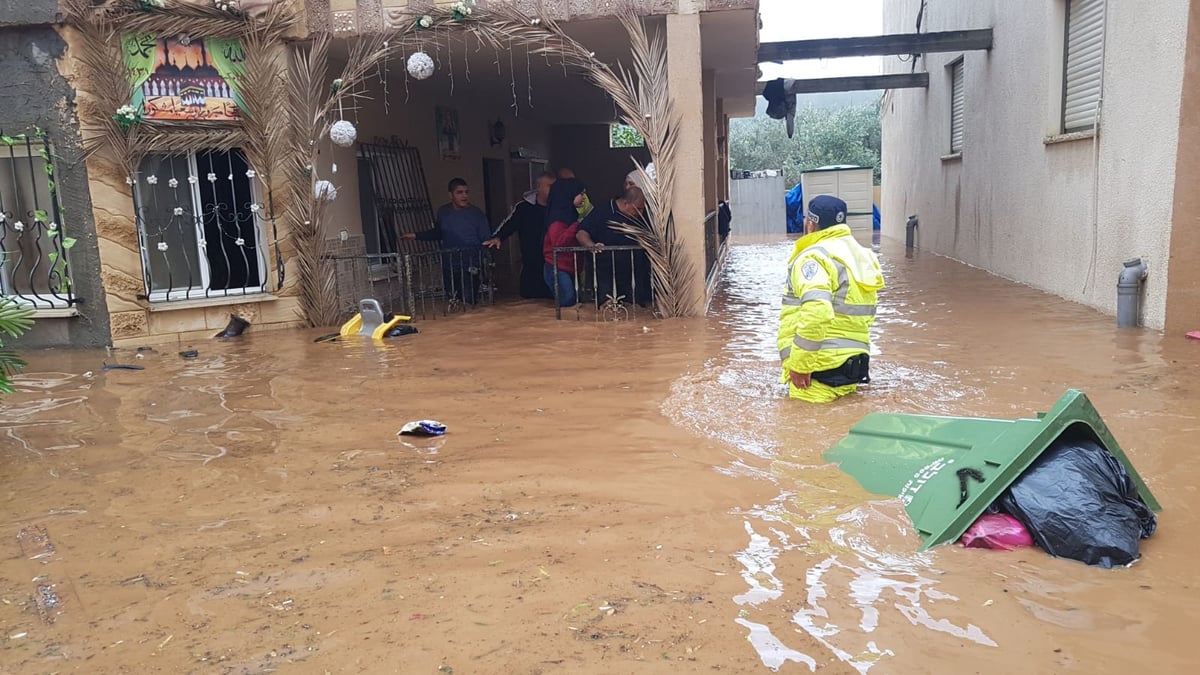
462,229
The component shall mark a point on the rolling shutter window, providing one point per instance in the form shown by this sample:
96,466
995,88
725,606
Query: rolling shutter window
1084,51
957,105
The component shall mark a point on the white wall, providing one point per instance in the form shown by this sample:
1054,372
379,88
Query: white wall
413,120
1014,204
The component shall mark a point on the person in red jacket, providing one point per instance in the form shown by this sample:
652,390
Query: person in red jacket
562,218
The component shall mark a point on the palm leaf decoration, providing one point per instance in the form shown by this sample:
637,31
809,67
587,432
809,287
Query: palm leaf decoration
14,321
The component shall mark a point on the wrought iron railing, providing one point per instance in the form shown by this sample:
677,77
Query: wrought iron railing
34,241
420,284
615,280
202,227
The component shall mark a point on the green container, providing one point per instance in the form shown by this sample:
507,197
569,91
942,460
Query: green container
948,470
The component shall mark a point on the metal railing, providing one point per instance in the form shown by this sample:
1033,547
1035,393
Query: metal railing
34,245
420,284
614,280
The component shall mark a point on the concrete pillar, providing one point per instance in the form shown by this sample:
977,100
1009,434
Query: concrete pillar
722,167
1183,288
687,89
710,141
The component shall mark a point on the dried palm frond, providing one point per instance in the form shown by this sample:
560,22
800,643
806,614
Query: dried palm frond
310,107
177,17
263,89
306,96
109,86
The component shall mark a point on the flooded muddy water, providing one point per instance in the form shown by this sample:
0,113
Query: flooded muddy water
832,570
636,497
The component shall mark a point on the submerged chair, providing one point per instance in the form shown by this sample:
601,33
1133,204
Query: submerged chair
371,321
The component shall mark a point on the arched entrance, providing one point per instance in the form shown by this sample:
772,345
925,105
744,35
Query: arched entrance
288,108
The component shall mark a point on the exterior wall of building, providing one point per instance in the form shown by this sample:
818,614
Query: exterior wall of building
133,319
36,95
1183,295
1058,213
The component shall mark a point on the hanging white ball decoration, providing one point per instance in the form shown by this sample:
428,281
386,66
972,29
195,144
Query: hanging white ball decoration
324,190
343,133
420,66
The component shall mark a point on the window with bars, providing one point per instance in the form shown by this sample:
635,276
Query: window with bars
958,102
1083,56
199,226
34,241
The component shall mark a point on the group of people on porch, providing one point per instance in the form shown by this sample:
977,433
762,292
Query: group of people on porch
556,214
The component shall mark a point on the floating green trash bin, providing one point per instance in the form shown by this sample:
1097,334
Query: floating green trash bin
948,470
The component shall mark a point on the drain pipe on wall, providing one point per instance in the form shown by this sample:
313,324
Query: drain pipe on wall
1129,292
910,232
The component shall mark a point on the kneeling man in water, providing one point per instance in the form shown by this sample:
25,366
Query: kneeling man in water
828,307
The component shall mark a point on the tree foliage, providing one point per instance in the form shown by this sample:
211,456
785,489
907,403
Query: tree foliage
824,136
623,136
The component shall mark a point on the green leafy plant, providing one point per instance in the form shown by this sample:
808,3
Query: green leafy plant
624,136
15,320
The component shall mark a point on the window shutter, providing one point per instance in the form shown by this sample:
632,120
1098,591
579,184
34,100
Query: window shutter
957,107
1081,74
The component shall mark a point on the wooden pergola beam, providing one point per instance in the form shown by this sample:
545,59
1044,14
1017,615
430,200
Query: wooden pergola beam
876,45
858,83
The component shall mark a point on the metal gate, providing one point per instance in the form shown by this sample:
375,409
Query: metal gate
397,199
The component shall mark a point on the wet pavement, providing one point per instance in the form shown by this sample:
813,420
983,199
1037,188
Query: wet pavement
632,497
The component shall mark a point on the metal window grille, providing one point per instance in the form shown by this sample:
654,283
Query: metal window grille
201,226
35,241
394,195
1083,64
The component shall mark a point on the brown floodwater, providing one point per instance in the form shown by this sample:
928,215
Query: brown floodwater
629,497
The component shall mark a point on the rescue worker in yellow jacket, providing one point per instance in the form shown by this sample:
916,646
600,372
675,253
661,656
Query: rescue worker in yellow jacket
828,307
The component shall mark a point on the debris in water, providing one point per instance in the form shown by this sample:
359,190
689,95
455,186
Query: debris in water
1194,335
189,353
35,542
164,642
422,428
120,366
237,325
988,603
47,601
17,636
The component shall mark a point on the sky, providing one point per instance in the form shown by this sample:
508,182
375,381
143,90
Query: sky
810,19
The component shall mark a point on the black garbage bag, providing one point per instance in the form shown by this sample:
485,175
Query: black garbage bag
1078,502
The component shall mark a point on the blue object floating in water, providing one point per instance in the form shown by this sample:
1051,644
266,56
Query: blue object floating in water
423,428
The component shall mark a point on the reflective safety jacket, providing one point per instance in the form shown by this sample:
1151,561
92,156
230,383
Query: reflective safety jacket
829,303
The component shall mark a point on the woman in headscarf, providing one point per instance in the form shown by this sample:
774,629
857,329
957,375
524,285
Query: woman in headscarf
562,219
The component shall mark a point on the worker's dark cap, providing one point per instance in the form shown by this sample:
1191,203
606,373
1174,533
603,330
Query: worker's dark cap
826,211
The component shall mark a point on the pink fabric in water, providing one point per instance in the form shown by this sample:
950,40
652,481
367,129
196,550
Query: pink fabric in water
997,530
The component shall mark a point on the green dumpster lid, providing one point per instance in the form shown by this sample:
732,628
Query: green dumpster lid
948,470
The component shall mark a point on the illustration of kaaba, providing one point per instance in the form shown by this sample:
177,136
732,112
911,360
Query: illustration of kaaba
187,80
